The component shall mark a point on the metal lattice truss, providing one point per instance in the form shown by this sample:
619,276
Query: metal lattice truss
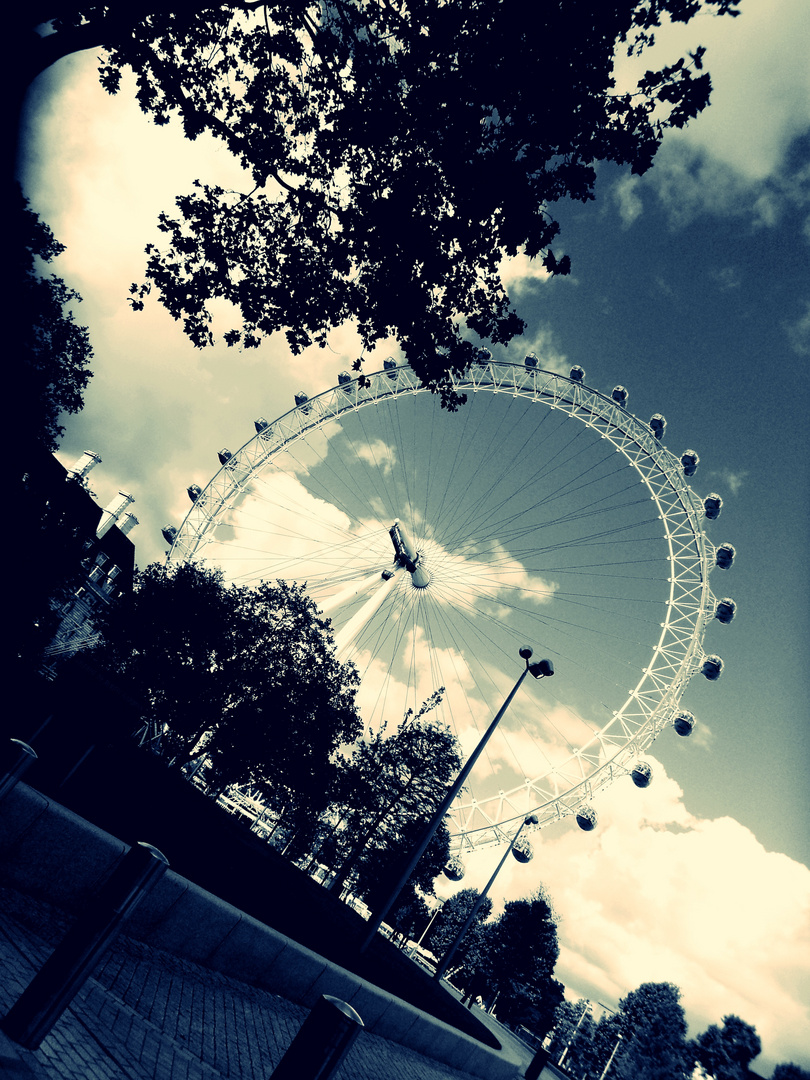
613,750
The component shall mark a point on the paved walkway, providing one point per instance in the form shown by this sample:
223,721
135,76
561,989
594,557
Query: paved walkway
147,1015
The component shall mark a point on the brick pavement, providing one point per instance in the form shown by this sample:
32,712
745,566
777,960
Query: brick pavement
148,1015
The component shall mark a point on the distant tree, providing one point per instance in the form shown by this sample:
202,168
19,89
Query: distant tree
654,1042
594,1045
391,785
246,678
381,862
394,152
516,957
48,351
410,917
569,1018
790,1071
725,1053
453,916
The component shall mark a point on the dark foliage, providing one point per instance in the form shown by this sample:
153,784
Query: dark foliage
725,1053
49,354
453,915
654,1035
393,153
388,789
246,677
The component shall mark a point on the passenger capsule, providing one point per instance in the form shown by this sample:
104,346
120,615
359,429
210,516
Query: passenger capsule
345,380
658,425
523,850
455,869
194,492
683,723
724,556
690,462
482,357
712,505
619,395
586,818
712,668
390,366
169,533
301,400
726,610
576,374
642,774
260,424
224,455
530,361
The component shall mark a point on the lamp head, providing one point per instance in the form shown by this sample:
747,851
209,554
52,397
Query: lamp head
543,668
526,652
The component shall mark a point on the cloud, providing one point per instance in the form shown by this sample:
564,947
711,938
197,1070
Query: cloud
734,481
628,199
798,332
760,87
519,272
659,894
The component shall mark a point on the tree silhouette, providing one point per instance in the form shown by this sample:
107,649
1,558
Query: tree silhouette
725,1053
246,678
394,153
653,1035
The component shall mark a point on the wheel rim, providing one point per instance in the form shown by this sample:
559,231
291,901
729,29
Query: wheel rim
521,550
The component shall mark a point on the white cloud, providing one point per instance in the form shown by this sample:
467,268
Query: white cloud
628,199
658,894
519,272
760,83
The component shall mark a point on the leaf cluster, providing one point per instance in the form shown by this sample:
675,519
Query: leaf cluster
50,352
389,787
247,678
394,152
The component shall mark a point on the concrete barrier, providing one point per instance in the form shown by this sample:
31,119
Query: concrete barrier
51,853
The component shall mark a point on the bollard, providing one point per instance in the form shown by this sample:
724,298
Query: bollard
325,1038
73,960
25,756
537,1064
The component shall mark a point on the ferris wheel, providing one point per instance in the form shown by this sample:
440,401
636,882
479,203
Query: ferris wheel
542,513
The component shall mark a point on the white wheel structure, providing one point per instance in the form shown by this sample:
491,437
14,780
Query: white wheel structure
542,513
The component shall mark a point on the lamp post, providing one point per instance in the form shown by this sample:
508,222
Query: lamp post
585,1012
610,1059
424,933
539,670
444,963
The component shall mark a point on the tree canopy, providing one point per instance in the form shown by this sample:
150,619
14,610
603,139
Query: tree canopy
725,1053
512,960
390,785
790,1071
246,678
453,915
394,151
653,1031
49,351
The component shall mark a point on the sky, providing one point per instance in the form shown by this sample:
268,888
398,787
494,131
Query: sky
690,287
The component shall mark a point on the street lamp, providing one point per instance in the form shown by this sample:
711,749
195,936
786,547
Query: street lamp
540,669
444,963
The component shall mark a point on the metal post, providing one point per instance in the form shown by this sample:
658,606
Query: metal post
585,1012
537,1064
73,960
543,668
424,933
610,1059
25,756
324,1040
